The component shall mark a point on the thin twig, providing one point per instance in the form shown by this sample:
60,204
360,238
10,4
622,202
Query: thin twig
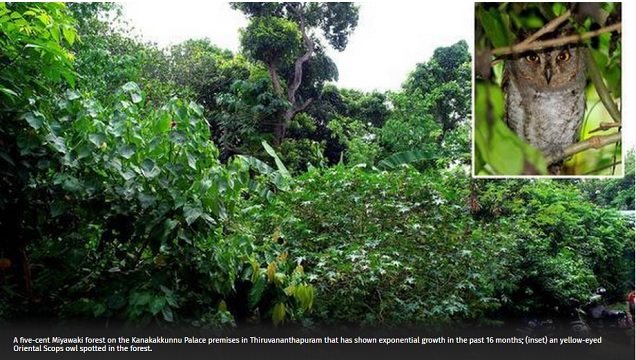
596,142
604,126
598,170
538,45
616,155
547,28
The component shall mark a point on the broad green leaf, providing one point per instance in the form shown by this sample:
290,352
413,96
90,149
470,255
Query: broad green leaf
496,26
198,109
280,181
69,77
192,161
192,213
279,164
401,158
127,151
167,314
207,218
501,150
58,208
128,175
57,142
257,164
278,315
157,305
256,292
533,22
97,139
142,298
130,87
35,119
505,153
8,91
305,295
147,200
559,8
177,137
136,98
69,34
55,33
172,301
149,169
73,95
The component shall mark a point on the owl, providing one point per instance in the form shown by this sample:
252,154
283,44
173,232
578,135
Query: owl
545,97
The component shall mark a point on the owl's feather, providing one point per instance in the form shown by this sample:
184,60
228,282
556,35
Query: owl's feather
545,97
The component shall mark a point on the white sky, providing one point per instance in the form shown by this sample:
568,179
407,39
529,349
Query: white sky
391,38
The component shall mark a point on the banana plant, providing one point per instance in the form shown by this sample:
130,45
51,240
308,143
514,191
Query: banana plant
278,178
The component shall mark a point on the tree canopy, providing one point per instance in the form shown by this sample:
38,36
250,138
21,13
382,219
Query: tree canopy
282,36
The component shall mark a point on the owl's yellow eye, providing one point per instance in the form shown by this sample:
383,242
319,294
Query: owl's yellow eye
563,56
532,58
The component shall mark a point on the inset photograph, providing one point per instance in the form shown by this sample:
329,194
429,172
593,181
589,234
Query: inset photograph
547,94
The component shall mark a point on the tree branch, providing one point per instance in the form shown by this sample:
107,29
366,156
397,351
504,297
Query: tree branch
601,89
547,28
304,105
610,166
273,74
298,66
604,126
538,45
595,142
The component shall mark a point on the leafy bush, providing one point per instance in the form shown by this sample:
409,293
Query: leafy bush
396,248
301,154
566,245
403,248
135,215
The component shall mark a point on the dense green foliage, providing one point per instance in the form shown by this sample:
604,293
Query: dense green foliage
410,248
140,185
616,193
396,248
283,37
434,109
34,59
145,199
134,199
565,244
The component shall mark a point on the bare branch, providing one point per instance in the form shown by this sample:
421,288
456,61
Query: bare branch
601,89
547,28
538,45
273,74
595,142
604,126
612,166
298,66
304,105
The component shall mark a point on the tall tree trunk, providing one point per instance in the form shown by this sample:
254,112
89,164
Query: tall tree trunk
279,134
281,126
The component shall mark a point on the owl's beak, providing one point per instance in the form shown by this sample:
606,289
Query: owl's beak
548,73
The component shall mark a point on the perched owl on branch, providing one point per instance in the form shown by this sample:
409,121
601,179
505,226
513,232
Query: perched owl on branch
545,98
